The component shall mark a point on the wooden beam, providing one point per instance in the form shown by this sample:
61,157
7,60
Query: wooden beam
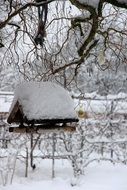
42,129
50,121
14,111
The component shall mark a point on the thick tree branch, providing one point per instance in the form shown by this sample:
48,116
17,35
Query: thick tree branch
91,35
94,26
94,15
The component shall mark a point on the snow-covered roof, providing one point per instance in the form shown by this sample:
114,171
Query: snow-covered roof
44,100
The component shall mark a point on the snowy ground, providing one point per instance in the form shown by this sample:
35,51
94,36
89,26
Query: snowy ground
98,176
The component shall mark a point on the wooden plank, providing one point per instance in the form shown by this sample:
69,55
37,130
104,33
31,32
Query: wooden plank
50,121
13,112
16,114
42,129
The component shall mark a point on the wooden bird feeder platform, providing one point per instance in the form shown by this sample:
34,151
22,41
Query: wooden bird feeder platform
33,114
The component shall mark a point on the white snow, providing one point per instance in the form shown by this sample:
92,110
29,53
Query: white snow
98,176
94,103
95,3
5,101
104,106
44,100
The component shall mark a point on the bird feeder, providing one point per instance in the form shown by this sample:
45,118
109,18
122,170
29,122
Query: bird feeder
41,106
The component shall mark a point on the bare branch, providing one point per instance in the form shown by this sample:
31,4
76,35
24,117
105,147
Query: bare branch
3,23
